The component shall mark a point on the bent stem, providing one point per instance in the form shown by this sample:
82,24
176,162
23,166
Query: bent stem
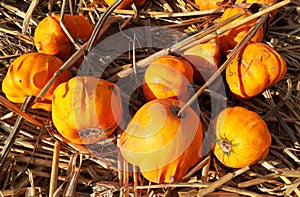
225,146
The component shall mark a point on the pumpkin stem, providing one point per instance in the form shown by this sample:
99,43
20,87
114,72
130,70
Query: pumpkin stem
175,110
225,145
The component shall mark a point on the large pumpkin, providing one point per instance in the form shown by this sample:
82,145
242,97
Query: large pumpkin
168,77
242,137
50,38
126,3
265,2
205,59
255,68
161,144
86,109
27,76
235,35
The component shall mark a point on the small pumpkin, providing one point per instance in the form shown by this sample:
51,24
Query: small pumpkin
126,3
235,35
210,4
253,69
168,77
28,74
242,137
163,145
86,109
205,59
265,2
50,38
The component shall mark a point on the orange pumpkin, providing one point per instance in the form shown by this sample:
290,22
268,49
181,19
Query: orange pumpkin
50,38
235,35
86,109
126,3
168,77
266,2
209,4
242,137
255,68
205,59
27,76
163,145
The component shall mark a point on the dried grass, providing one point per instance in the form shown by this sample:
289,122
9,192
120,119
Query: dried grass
42,163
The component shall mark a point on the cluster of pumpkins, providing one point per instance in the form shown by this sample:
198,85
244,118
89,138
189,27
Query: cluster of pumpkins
161,142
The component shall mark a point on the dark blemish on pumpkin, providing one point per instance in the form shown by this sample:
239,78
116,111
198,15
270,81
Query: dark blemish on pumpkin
20,80
90,133
20,64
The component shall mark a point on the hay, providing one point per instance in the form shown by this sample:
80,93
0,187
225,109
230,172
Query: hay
42,163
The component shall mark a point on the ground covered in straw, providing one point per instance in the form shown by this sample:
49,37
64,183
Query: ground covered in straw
41,162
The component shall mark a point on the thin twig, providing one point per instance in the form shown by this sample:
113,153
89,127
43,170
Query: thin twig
231,55
15,109
100,23
28,14
15,131
221,181
54,169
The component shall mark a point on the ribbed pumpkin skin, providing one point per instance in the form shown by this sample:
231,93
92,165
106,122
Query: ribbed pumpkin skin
85,104
255,68
126,3
162,145
27,76
50,38
247,133
168,77
205,59
235,35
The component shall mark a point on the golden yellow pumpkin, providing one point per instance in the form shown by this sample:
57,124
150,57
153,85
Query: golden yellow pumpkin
205,59
27,76
235,35
163,145
255,68
50,38
266,2
86,110
242,137
168,77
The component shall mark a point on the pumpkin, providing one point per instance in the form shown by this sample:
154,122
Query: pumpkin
163,145
168,77
28,74
253,69
86,109
210,4
205,59
235,35
266,2
50,38
127,3
242,137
